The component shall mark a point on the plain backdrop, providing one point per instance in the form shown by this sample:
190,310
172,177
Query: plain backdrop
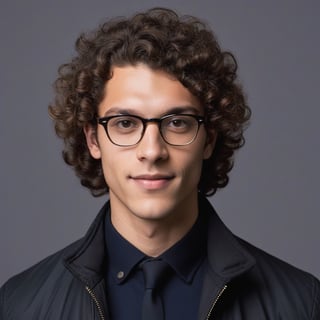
273,196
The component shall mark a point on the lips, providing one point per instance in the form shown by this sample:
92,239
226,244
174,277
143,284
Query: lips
152,181
152,176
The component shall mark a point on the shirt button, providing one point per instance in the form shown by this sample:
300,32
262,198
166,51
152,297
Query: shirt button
120,275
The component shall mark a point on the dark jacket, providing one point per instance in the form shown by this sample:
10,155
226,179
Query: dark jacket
241,282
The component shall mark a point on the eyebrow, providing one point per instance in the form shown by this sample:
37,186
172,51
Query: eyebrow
172,110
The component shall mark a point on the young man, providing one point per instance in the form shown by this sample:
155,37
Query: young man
151,113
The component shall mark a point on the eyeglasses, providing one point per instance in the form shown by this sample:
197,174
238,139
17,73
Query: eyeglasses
175,129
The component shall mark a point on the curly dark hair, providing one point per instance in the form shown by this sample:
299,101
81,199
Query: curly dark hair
182,46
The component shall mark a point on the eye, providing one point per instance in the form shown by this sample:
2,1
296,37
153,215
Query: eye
124,123
179,123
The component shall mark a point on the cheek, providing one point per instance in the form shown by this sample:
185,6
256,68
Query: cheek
190,162
115,165
199,155
110,163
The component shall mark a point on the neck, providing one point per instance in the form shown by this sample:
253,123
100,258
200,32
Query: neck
153,236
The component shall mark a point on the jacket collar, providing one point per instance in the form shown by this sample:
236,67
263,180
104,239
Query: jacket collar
87,261
227,259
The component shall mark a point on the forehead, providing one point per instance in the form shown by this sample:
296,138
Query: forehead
145,91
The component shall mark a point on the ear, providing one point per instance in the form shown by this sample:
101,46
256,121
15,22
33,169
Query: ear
92,142
210,145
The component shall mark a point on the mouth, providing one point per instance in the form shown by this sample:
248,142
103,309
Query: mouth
152,181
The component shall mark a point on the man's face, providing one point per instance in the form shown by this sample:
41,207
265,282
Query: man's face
150,181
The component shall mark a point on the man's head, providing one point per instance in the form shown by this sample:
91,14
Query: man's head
181,47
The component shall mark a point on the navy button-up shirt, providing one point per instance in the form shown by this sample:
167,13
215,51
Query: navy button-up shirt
180,293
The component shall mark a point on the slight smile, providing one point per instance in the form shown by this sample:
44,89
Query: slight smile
152,181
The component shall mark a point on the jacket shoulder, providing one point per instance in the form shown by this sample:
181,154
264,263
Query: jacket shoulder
286,283
35,285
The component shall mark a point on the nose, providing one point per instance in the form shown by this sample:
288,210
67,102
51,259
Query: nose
152,147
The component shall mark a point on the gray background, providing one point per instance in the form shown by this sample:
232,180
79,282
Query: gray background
273,196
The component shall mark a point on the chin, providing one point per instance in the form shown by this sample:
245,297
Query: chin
155,209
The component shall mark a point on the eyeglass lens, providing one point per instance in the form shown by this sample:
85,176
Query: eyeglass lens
127,130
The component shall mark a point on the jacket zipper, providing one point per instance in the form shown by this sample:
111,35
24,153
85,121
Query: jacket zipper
215,302
94,298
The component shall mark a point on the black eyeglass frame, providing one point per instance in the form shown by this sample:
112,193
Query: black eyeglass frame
104,122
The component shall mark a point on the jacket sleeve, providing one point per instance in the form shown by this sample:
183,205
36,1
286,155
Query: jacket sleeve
316,300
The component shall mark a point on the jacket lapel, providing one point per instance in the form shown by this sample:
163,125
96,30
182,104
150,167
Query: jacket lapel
227,260
88,262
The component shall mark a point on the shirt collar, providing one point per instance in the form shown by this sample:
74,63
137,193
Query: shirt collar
122,255
187,254
184,257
